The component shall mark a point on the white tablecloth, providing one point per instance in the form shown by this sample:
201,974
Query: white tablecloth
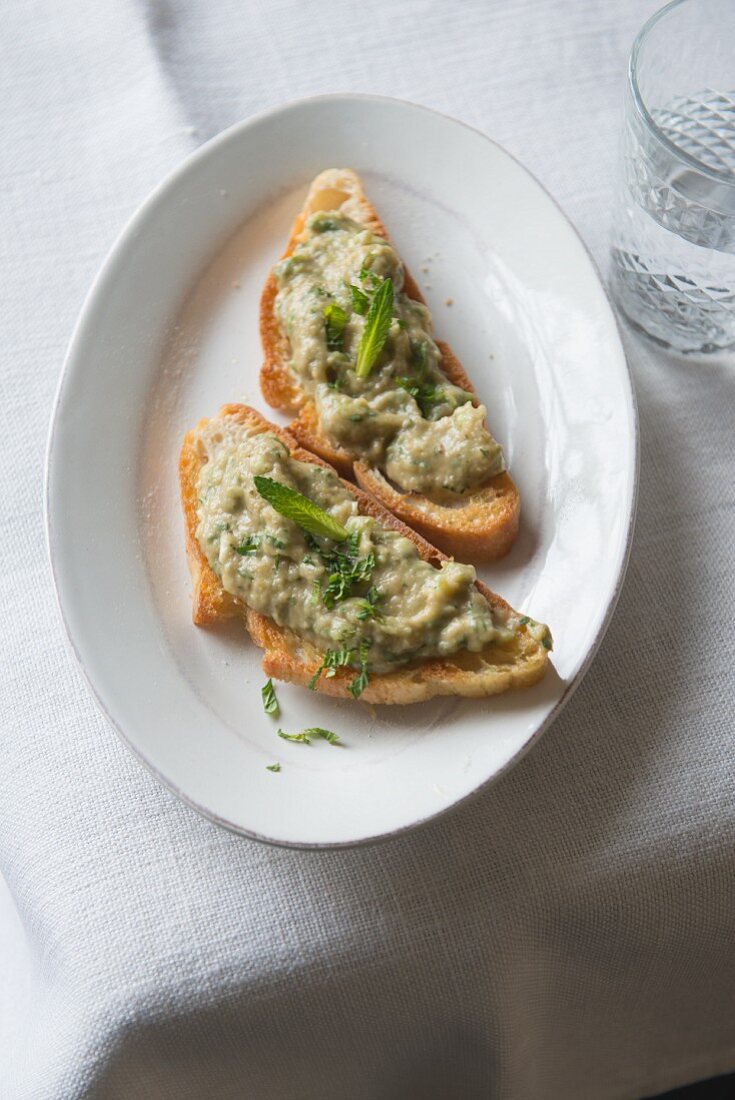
568,935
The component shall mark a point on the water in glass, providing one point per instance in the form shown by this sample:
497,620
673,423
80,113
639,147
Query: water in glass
673,254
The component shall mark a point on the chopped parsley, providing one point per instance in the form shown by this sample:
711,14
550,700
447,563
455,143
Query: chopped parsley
273,767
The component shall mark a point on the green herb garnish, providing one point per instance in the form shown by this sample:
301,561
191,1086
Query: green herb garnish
375,332
524,620
425,394
419,354
304,512
308,735
547,641
345,568
249,546
368,608
270,702
347,573
366,275
360,301
360,682
424,391
322,223
335,320
273,767
298,738
331,661
325,735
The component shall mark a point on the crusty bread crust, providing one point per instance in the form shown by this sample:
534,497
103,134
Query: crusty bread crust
480,527
288,657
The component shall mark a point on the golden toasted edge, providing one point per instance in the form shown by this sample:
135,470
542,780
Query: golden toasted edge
492,672
289,658
210,602
462,530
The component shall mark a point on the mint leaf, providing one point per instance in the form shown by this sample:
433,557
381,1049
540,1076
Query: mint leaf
335,320
347,572
297,738
425,394
339,658
326,735
304,512
270,702
360,682
331,661
360,301
307,736
375,332
345,569
368,609
366,275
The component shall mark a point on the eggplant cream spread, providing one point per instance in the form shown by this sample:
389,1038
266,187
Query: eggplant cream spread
368,599
405,417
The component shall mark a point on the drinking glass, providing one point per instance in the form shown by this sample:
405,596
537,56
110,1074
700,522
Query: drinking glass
673,241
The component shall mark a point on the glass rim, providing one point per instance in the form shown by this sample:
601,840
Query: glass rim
640,106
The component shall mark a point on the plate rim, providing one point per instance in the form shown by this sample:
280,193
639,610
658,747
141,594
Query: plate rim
173,176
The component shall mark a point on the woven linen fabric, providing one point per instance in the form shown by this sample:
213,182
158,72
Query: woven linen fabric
567,935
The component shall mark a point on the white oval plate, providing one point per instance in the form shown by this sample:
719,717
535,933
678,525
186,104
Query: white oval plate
169,332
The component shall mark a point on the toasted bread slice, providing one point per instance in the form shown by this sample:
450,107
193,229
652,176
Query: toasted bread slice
480,527
288,657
